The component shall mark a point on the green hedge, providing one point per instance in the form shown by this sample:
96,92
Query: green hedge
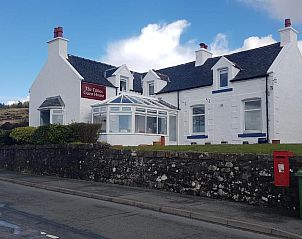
5,139
51,134
85,133
22,135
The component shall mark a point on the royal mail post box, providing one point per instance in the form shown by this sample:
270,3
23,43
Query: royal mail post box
281,168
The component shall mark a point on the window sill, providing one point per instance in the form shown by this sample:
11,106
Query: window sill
222,90
250,135
197,136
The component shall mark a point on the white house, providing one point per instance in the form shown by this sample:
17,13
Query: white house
251,96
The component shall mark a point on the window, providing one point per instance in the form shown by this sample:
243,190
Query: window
51,116
151,88
140,123
44,117
100,119
198,118
252,115
172,128
152,124
120,123
57,117
162,125
123,84
223,77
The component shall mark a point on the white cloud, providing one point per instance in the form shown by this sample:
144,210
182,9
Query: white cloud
279,9
9,100
155,47
159,46
220,44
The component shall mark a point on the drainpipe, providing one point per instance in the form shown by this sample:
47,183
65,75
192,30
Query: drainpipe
266,103
116,90
178,100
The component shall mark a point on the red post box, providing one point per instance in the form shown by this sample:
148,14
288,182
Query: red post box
281,168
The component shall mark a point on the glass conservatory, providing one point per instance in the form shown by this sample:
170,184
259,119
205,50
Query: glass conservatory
135,120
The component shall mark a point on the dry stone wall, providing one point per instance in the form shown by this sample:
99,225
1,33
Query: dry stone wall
244,178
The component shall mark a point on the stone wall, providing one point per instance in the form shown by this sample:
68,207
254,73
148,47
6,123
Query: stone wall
238,177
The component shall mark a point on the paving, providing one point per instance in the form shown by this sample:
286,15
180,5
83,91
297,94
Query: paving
237,215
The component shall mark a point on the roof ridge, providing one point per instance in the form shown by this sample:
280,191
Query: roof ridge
250,49
175,66
86,59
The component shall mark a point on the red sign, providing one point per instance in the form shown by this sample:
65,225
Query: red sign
93,91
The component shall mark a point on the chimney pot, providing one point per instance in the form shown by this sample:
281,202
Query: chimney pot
55,32
203,45
60,31
287,22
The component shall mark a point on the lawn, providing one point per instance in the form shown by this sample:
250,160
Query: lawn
228,148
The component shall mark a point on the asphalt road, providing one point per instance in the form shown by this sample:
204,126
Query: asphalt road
31,213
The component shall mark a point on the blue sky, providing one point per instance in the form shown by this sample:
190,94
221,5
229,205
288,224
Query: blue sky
142,34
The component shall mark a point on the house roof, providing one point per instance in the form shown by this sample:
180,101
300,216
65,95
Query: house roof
97,72
252,63
162,76
92,71
55,101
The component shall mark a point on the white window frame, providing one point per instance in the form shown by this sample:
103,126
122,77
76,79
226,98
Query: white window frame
54,112
244,119
221,71
151,83
125,80
192,120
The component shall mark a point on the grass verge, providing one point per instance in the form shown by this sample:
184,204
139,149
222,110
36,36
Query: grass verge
229,148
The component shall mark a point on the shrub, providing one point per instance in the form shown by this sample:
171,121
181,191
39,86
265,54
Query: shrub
22,135
85,133
4,137
52,134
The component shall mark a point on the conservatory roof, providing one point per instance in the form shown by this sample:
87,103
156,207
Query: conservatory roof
139,100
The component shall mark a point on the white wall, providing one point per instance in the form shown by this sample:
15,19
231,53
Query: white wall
57,77
130,139
287,95
224,111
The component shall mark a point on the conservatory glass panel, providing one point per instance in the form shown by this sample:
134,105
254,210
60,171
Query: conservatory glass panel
152,124
162,125
140,124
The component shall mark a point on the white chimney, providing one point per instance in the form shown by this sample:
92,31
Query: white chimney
58,45
202,54
288,34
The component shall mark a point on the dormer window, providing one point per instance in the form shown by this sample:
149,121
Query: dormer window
223,77
123,83
151,88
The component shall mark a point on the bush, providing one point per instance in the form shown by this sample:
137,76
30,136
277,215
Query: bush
22,135
85,133
4,137
52,134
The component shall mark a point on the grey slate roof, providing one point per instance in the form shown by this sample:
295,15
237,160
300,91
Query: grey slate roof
162,76
55,101
110,72
252,63
92,71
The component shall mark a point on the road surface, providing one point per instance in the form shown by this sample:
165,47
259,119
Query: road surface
32,213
